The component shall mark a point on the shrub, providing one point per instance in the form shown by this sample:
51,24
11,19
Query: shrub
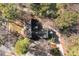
8,11
55,52
73,51
61,5
73,45
67,19
66,22
21,46
45,10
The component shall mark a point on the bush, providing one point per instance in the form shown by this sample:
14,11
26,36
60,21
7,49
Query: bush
61,5
73,45
8,11
73,51
45,10
66,20
55,52
21,46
